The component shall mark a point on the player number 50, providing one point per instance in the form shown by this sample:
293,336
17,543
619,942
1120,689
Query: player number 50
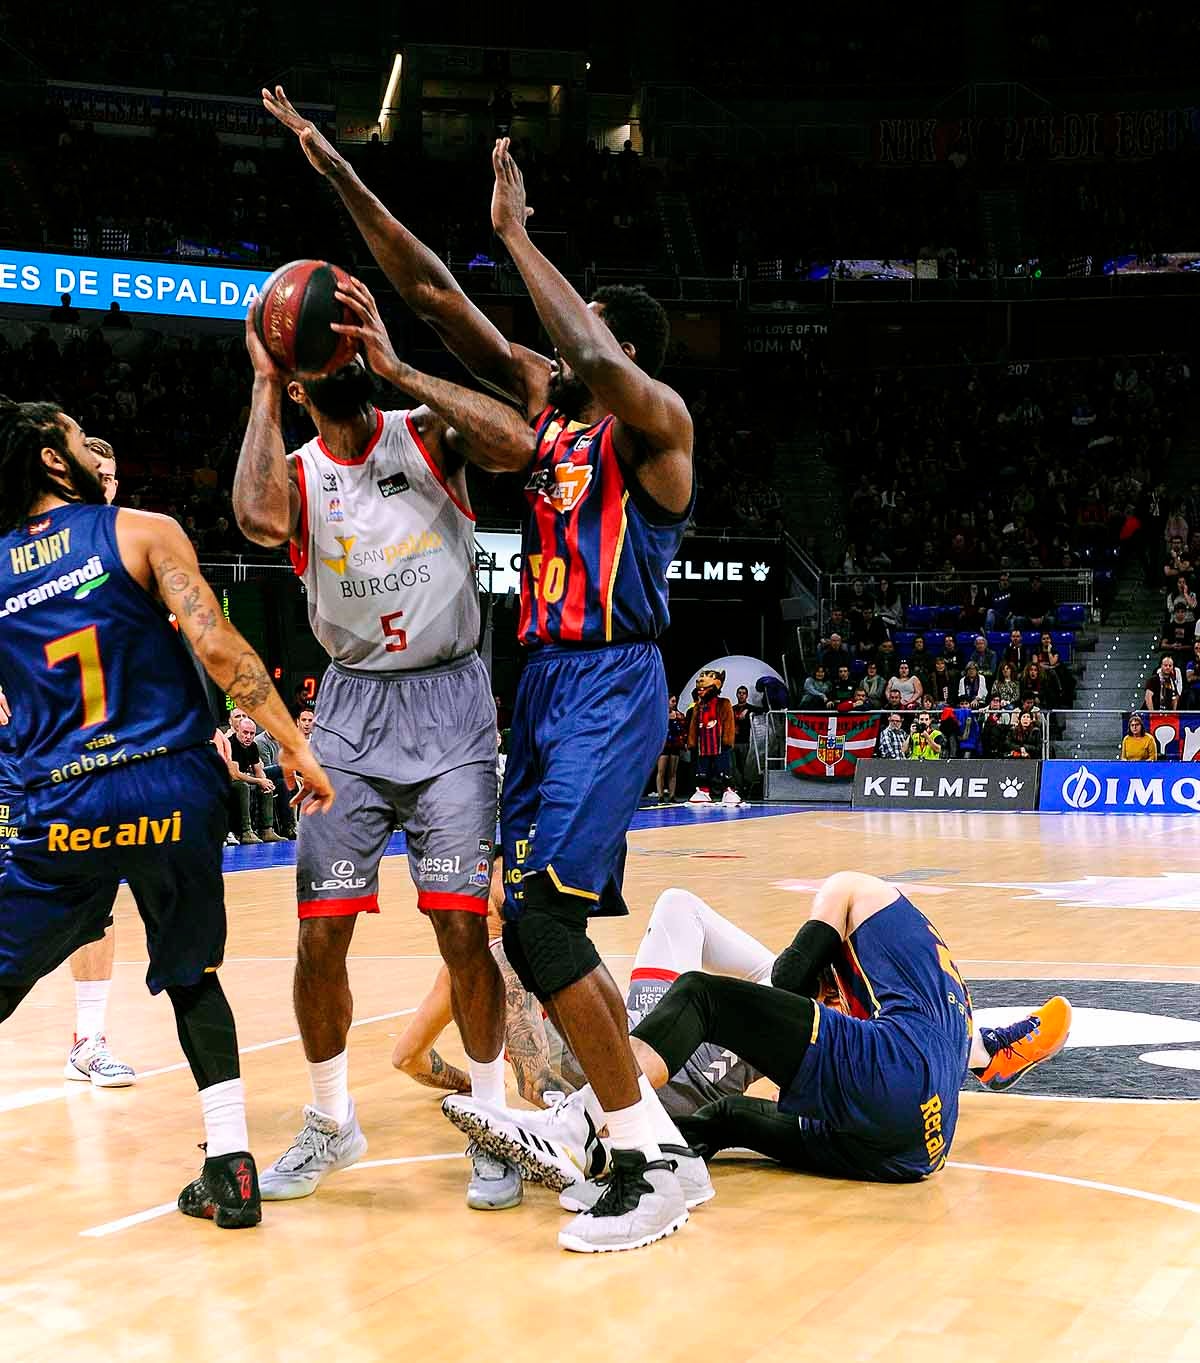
549,576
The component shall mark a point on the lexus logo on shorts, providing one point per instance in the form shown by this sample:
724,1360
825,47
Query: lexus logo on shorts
342,878
342,869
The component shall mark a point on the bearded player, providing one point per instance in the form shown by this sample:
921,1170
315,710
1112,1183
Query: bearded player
376,514
610,489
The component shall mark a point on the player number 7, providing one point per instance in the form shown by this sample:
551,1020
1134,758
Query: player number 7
83,644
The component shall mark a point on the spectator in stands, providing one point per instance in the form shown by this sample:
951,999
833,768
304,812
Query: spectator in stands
924,742
815,695
1190,700
305,720
909,687
1176,525
253,789
994,738
859,702
973,688
742,710
1000,608
891,608
1034,685
1137,745
838,624
841,693
1178,636
872,631
894,699
983,657
920,660
284,823
1006,688
1035,606
1018,652
856,602
1164,686
893,741
1179,561
943,683
1181,594
887,658
950,654
875,686
666,771
836,655
1025,737
950,730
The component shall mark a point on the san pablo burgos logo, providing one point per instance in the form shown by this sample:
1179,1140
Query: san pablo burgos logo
715,570
343,878
1083,789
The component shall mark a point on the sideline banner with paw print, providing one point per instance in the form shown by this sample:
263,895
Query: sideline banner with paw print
1011,786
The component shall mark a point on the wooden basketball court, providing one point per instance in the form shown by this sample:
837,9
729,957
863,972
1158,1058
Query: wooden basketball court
1067,1225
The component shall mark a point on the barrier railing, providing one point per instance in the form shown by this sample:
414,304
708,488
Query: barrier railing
1065,586
1096,734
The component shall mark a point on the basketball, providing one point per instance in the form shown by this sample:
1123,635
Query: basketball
293,317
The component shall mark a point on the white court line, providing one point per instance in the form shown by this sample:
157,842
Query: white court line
1090,965
164,1208
1065,1098
32,1097
1139,1193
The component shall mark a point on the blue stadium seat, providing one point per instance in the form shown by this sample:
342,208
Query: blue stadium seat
946,617
903,639
858,668
919,617
1071,613
966,643
933,640
1064,643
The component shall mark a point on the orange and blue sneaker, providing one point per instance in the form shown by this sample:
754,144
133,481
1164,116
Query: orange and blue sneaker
1017,1048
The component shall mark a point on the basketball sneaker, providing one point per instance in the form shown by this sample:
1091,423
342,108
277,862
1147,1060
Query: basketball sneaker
226,1192
557,1148
1016,1049
321,1148
731,797
689,1167
90,1061
642,1202
495,1184
700,797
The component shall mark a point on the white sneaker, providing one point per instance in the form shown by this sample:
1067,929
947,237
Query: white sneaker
642,1202
731,797
321,1148
557,1147
91,1062
232,840
690,1169
700,797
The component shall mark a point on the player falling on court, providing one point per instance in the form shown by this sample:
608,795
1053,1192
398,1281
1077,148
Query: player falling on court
118,775
704,1094
610,488
376,513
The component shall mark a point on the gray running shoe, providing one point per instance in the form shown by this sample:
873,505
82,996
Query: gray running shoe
321,1148
495,1185
689,1167
642,1202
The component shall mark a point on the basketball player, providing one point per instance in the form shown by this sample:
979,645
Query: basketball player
610,490
377,516
119,779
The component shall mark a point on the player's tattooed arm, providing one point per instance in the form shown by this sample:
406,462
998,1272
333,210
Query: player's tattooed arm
436,1073
266,494
525,1041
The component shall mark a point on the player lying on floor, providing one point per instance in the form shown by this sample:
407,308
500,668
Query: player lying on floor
868,1086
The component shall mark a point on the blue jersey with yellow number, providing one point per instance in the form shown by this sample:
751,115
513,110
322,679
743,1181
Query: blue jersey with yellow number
596,549
94,672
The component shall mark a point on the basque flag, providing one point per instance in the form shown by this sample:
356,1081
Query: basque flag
829,747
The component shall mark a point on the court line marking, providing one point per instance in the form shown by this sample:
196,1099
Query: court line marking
1090,1185
1140,1194
1068,1098
1090,965
32,1097
164,1208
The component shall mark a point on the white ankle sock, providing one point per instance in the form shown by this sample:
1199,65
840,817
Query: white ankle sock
224,1107
487,1080
664,1129
331,1086
91,1000
633,1129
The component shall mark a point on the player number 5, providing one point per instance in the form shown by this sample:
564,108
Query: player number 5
399,640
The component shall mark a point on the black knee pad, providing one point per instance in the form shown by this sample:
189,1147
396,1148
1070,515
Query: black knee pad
552,938
515,953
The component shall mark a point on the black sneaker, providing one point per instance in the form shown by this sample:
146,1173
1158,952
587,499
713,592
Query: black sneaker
226,1192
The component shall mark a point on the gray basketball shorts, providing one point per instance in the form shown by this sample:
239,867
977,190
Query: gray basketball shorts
413,750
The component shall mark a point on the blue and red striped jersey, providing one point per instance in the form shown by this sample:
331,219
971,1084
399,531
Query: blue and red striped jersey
595,553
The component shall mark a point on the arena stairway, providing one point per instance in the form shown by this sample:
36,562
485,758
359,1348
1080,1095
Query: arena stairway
679,234
1114,673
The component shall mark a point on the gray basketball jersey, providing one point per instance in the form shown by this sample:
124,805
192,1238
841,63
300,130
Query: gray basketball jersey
386,553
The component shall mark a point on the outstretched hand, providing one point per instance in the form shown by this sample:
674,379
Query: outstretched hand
370,332
316,146
509,210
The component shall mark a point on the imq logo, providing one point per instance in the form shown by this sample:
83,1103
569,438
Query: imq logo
1111,788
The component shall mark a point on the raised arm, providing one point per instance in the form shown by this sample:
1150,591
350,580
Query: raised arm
266,496
656,422
420,278
472,425
160,557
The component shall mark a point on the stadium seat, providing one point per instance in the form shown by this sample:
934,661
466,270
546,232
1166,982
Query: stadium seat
1071,613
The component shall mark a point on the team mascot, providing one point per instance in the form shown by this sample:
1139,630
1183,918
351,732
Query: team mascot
711,733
